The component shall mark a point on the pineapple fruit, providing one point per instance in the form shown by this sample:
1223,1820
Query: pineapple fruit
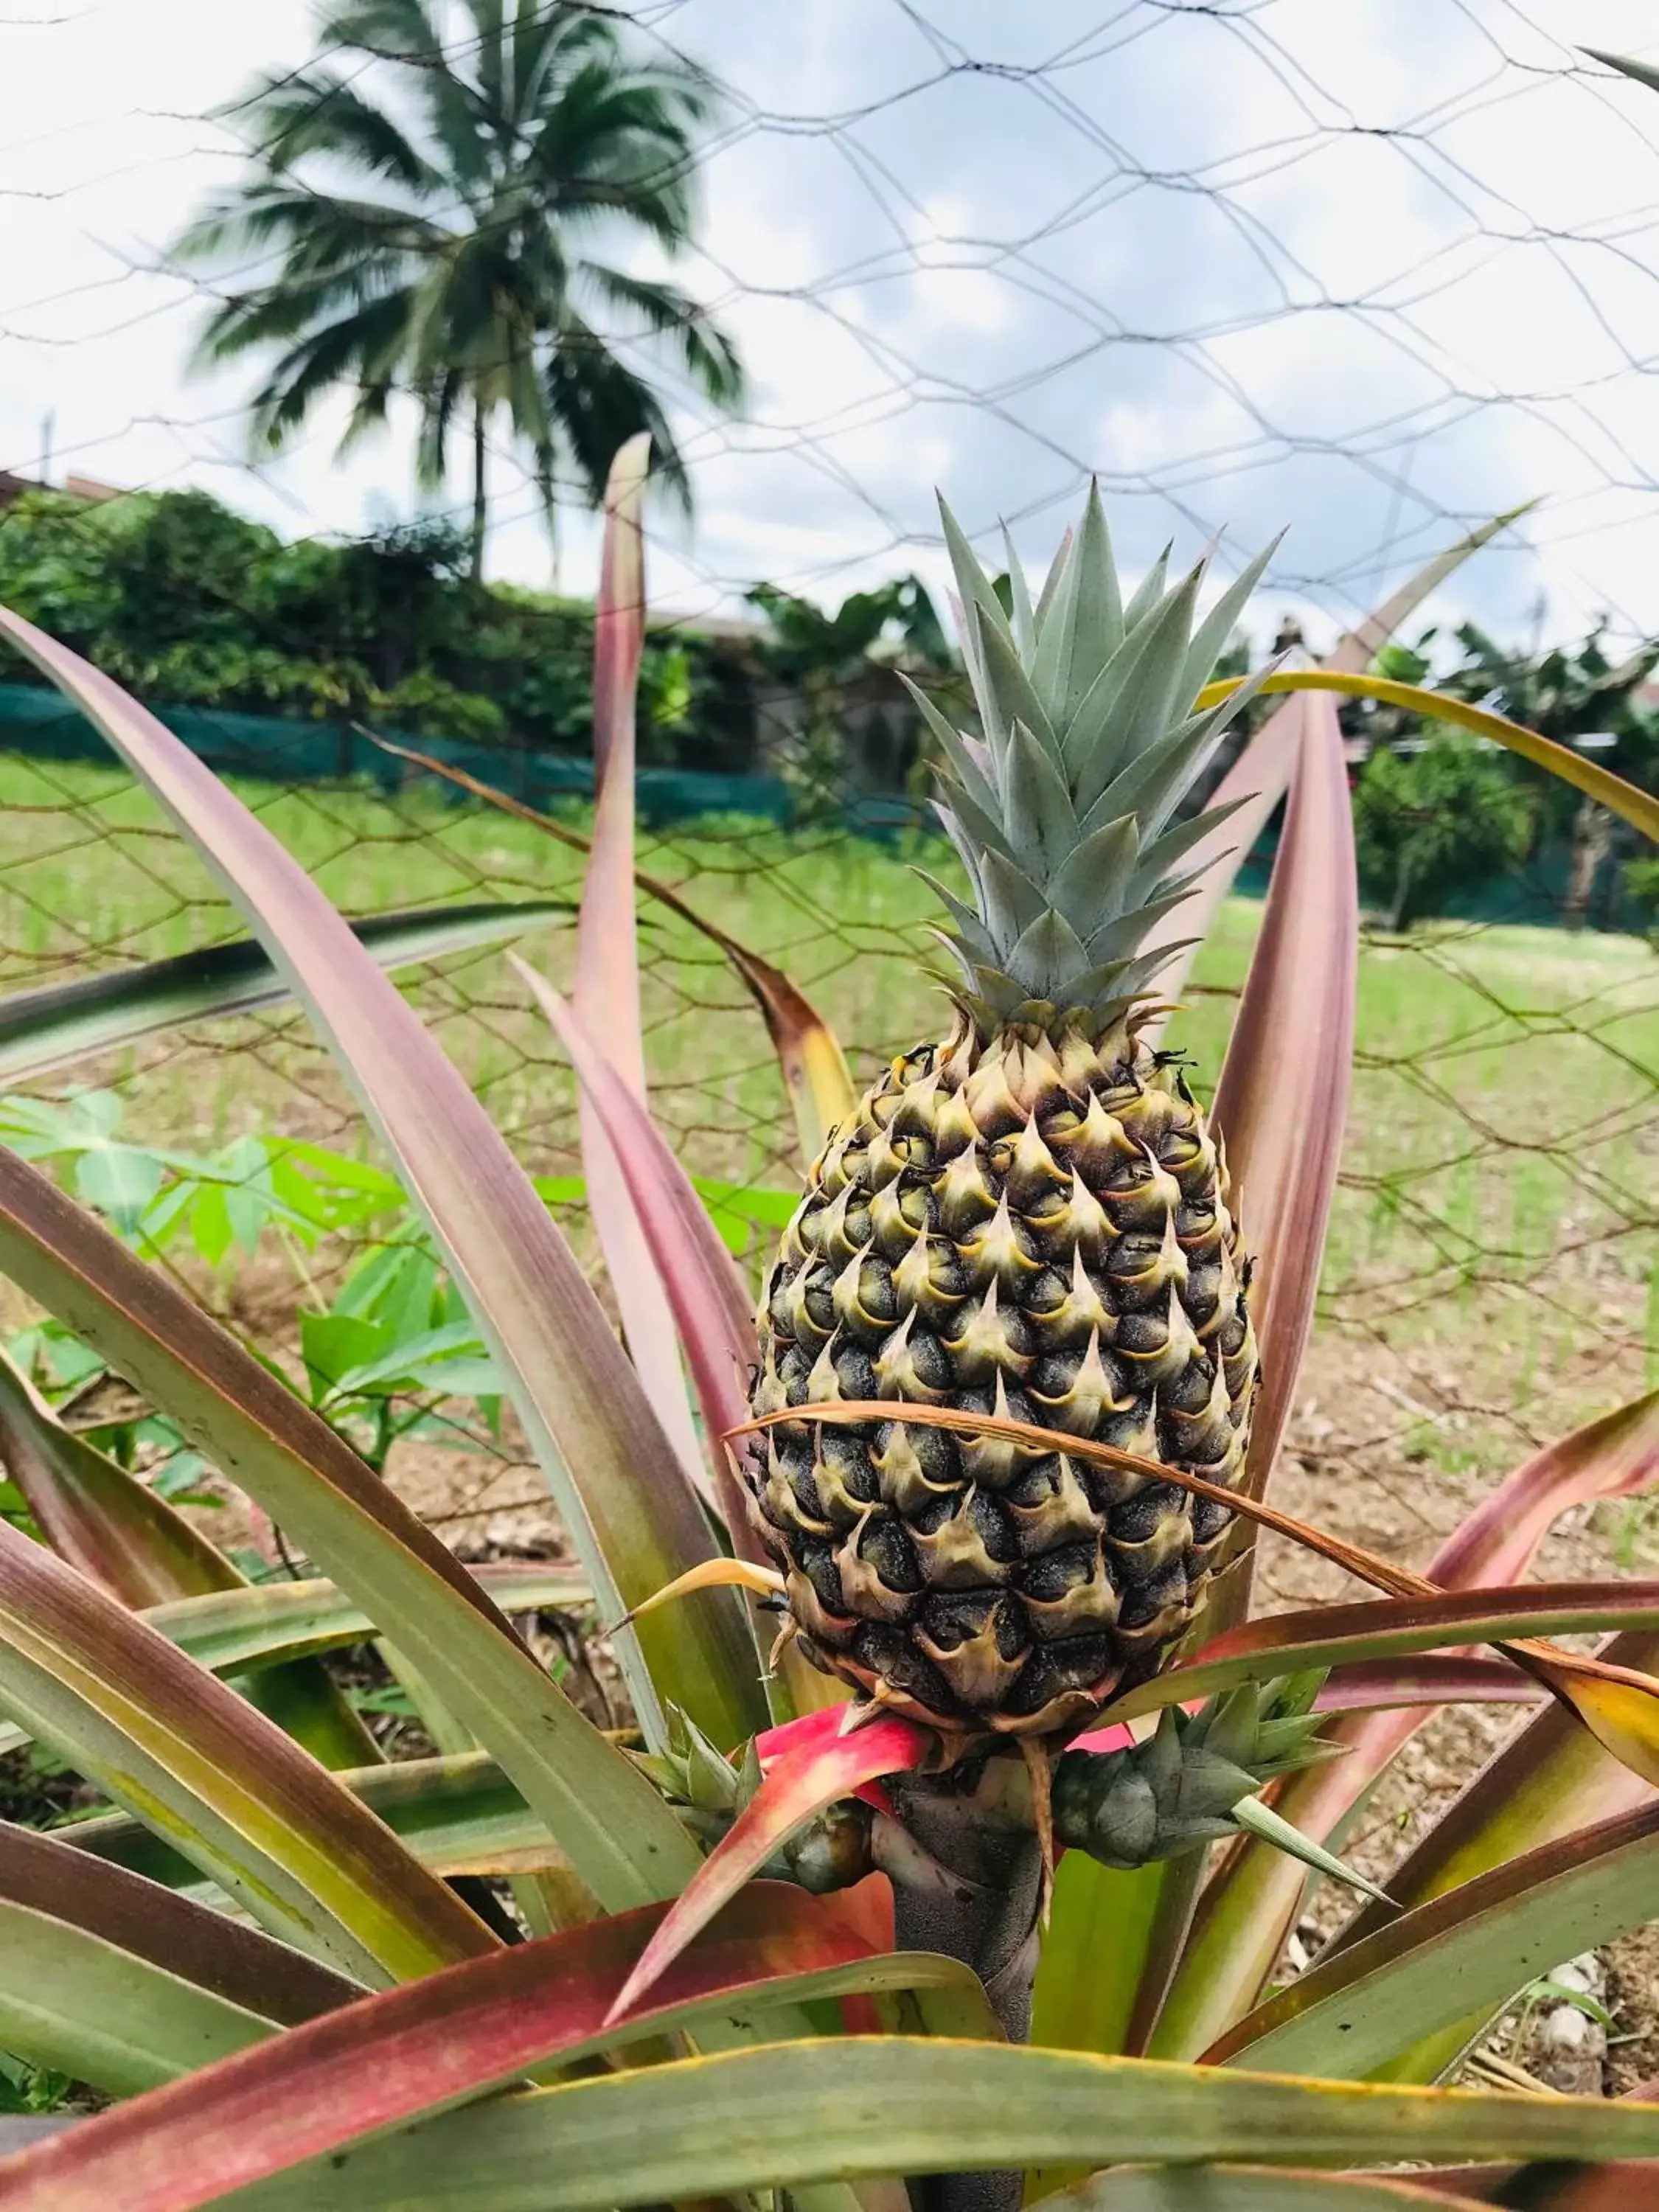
1029,1216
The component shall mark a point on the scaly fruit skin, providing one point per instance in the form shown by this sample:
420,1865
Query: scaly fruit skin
1033,1223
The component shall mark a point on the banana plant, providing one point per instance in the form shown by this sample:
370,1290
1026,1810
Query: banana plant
754,1962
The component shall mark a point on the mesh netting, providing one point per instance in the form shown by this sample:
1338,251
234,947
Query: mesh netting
1490,1275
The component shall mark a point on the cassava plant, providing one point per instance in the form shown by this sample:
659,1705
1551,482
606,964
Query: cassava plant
939,1649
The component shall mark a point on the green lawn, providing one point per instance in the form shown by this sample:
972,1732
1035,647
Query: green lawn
1500,1163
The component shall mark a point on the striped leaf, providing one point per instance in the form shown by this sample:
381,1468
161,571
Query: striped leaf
459,2035
790,2113
112,1981
238,1797
126,1536
55,1024
1465,1952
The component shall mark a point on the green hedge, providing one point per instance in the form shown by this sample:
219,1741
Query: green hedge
184,601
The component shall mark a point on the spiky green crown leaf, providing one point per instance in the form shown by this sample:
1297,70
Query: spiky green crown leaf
1060,809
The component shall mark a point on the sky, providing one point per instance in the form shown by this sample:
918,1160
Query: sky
1366,271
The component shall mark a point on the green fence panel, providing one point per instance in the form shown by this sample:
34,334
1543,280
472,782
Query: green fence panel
40,724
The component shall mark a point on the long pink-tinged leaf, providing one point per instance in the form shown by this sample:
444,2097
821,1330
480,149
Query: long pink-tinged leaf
1546,1783
457,2036
115,1529
96,1514
1550,1779
797,1787
236,1962
606,993
789,2112
1282,1099
175,1747
1386,1628
618,643
1247,2189
1252,1902
1374,1686
1466,1952
632,1515
810,1057
711,1307
1258,778
1616,1456
1358,1686
621,1837
709,1304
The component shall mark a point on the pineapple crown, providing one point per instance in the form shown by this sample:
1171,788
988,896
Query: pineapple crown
1089,744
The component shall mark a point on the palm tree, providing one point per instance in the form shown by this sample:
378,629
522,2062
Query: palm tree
444,190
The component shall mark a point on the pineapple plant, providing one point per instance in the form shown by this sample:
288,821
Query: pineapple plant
1028,1215
351,2035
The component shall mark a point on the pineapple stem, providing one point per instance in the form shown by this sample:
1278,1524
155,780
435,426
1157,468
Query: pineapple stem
987,1918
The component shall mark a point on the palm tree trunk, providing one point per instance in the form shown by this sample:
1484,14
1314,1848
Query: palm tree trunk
1592,840
480,500
550,517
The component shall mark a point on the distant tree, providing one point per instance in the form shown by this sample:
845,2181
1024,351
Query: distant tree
1426,822
896,619
822,663
1641,888
1570,695
439,201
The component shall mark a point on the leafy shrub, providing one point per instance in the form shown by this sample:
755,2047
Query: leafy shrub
1641,887
183,600
1429,822
426,704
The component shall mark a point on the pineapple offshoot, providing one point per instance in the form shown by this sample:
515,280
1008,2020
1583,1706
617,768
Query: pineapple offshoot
1029,1216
